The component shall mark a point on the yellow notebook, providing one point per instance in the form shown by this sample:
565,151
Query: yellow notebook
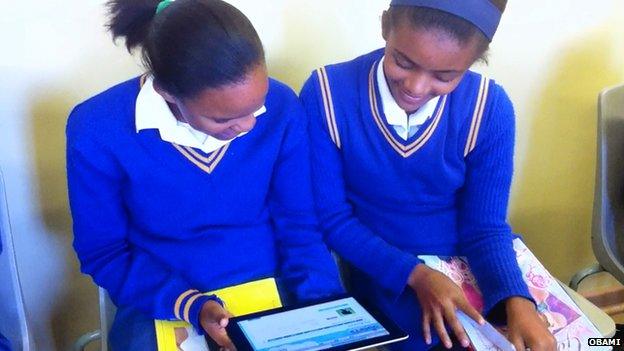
256,296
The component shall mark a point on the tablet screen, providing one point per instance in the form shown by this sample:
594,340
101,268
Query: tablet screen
317,327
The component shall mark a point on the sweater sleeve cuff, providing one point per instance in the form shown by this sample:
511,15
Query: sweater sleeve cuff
188,307
398,272
499,277
501,298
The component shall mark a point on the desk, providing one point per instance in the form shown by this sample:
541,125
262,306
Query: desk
602,321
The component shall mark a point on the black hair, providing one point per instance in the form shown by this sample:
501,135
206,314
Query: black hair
462,30
191,45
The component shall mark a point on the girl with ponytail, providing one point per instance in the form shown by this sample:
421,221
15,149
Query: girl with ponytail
194,176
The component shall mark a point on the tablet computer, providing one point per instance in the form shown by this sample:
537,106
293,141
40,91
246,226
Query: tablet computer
339,324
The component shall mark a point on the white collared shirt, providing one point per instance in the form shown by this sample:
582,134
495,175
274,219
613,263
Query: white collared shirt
152,112
405,125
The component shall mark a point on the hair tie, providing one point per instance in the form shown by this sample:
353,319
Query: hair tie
163,5
481,13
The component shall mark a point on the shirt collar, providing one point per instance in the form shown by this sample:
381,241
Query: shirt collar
395,115
152,112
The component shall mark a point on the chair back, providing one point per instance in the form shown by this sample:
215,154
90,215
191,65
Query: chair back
107,315
608,217
13,323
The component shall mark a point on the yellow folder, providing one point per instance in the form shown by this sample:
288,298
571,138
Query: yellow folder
256,296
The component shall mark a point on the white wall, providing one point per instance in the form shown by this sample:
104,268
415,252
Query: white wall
54,54
553,57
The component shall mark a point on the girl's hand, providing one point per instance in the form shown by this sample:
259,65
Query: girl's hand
214,318
526,328
439,298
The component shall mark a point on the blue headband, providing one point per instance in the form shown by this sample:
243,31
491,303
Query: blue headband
482,13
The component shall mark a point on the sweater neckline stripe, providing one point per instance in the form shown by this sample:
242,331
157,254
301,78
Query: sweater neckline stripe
207,165
429,132
403,150
207,160
386,133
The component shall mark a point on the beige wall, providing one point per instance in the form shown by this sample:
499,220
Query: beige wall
552,56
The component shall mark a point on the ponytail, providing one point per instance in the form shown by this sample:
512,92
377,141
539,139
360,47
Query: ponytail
131,20
190,45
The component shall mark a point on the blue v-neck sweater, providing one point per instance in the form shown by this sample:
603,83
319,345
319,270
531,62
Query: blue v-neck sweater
156,223
383,200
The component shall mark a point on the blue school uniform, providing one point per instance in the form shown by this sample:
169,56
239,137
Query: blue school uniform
155,223
382,200
5,345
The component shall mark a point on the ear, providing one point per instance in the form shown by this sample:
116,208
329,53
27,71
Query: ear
386,24
160,90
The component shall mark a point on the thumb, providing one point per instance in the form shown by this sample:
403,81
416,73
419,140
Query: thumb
517,342
213,312
224,321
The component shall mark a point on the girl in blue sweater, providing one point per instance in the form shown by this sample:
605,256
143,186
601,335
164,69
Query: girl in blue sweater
193,177
412,155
